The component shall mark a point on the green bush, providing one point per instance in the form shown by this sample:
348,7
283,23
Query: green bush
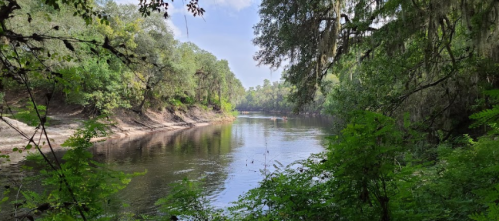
29,115
79,184
226,106
188,200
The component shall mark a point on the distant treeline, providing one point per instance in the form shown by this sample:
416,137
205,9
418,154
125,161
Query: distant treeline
273,97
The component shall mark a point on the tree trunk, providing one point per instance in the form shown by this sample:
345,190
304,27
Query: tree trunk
220,95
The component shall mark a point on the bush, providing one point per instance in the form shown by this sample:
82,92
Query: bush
188,200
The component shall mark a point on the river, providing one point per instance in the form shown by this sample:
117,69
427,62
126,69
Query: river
229,157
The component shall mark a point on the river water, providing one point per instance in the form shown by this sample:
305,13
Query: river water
230,157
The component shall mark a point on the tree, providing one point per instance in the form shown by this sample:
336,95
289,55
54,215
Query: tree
394,56
100,57
306,33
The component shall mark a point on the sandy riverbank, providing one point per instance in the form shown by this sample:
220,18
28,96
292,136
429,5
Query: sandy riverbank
124,123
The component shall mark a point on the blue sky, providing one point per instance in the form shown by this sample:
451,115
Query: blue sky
226,31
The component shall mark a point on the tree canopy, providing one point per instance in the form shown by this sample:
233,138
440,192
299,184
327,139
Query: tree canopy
318,38
412,86
415,107
100,57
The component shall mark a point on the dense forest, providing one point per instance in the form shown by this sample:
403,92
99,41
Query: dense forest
101,57
415,107
412,86
121,61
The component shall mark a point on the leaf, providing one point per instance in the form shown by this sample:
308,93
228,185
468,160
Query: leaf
280,164
67,217
94,51
275,166
47,16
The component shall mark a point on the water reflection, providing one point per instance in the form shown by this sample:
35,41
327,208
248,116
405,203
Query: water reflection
168,157
228,156
265,143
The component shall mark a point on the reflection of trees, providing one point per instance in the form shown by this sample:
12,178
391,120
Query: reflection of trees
197,152
169,157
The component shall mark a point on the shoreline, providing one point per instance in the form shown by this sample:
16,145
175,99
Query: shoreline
125,124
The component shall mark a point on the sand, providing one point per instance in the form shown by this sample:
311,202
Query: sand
124,123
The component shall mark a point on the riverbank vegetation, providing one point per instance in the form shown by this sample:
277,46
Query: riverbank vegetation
273,97
415,103
121,61
100,57
416,109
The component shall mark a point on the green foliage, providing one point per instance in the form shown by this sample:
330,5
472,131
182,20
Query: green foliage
120,60
423,63
4,197
371,174
81,138
492,212
175,102
363,161
297,192
100,56
188,100
188,201
29,115
79,184
462,184
96,85
234,113
356,181
226,107
411,63
490,116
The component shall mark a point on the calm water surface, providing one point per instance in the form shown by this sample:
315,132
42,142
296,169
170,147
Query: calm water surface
228,156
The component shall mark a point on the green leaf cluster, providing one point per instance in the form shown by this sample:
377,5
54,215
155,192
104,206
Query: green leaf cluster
488,117
29,115
188,200
79,184
371,172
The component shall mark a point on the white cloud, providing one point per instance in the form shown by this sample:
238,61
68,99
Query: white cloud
125,2
235,4
172,9
176,30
